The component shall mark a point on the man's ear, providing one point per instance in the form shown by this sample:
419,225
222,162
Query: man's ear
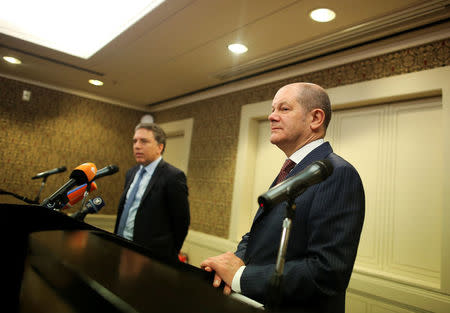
317,119
160,148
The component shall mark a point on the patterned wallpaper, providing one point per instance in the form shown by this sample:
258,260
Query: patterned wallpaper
56,129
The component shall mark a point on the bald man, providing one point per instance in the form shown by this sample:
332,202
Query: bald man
328,220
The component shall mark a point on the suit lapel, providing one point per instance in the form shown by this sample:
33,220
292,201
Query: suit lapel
319,153
130,181
124,194
155,177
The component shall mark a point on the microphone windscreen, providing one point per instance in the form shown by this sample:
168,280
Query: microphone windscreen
84,173
75,195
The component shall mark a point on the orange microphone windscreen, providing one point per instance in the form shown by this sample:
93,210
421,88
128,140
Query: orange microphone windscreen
84,173
75,195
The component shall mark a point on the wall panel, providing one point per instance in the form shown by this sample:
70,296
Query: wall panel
358,136
417,194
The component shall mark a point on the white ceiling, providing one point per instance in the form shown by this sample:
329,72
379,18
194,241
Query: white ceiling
180,48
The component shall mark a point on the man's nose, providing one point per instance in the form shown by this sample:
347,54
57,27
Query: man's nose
273,116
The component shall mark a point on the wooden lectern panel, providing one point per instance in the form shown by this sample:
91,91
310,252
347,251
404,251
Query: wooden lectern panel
91,271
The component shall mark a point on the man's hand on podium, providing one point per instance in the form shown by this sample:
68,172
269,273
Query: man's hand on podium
225,266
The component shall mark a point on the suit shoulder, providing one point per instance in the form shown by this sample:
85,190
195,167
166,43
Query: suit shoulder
172,169
340,163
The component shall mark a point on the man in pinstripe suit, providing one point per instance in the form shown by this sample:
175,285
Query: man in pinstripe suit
327,225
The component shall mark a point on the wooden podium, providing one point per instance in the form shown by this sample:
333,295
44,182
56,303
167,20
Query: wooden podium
57,264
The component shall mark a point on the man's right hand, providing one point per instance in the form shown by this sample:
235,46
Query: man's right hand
225,265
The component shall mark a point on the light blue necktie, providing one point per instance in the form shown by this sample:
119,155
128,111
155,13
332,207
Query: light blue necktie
129,202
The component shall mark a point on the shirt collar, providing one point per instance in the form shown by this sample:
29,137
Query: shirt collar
152,166
301,153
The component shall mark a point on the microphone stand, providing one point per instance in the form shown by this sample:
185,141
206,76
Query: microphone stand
40,190
274,293
86,192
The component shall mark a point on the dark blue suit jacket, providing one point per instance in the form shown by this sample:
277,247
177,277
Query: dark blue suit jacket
322,245
162,218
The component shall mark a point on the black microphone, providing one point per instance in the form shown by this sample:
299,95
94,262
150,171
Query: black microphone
82,174
92,206
107,170
296,185
50,172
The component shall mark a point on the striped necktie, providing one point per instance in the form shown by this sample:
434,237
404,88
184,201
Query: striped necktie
287,167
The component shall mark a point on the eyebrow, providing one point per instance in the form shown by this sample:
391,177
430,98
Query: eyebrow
280,103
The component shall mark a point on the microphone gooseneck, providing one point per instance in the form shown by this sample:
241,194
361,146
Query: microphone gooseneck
106,171
50,172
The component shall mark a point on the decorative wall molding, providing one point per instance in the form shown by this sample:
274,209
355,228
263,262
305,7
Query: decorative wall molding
183,128
401,296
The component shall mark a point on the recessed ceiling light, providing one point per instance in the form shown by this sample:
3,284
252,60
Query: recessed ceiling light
237,48
322,15
95,82
79,28
12,60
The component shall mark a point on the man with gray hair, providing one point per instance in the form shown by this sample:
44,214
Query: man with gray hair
154,209
328,219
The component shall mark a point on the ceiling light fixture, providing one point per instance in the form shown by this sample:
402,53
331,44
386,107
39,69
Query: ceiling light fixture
67,26
12,60
237,48
95,82
322,15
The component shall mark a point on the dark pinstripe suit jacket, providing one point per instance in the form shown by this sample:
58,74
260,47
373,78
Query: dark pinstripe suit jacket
322,245
162,218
